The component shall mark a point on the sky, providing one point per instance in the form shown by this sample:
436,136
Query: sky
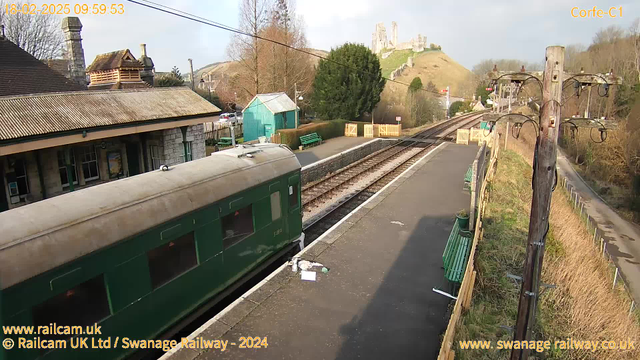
468,31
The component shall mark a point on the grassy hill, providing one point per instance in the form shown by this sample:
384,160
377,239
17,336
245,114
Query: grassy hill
230,68
432,65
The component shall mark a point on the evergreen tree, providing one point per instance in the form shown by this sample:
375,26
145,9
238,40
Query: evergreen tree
348,83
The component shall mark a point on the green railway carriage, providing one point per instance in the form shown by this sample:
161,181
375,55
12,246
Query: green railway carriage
137,256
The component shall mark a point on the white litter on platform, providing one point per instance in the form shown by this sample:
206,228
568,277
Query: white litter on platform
308,275
397,223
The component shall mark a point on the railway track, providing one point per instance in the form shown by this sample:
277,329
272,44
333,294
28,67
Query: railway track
329,188
321,189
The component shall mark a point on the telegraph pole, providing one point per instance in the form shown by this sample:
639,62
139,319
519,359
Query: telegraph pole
543,183
191,66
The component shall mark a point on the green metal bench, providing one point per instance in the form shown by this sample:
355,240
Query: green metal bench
456,254
467,178
224,141
310,139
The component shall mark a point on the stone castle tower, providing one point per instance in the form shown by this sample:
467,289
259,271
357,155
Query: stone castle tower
379,40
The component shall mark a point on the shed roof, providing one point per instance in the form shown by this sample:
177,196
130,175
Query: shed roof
275,102
21,73
39,114
115,60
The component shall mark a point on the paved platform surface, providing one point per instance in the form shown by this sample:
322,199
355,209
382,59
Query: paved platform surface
620,234
376,302
328,148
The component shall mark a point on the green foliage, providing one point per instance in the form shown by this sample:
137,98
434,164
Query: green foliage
416,84
482,92
211,97
626,97
459,106
174,78
347,91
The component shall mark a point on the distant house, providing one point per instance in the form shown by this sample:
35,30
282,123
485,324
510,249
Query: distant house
267,113
117,70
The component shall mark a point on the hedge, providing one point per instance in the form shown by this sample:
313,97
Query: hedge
326,129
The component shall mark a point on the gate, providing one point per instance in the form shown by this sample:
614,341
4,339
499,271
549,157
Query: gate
351,130
368,130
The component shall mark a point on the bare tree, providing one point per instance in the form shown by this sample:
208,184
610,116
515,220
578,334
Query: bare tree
634,34
246,49
286,66
39,35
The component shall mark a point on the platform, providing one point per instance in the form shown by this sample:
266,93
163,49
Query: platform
376,302
328,148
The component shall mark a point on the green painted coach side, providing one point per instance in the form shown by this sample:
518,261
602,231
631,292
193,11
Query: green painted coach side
136,310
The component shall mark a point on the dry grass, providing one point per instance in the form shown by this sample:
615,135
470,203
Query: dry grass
584,298
583,306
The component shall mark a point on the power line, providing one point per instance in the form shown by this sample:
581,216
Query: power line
204,21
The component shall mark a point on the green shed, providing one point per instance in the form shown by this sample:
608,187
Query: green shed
267,113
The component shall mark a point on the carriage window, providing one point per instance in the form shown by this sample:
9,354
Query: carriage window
169,260
275,206
237,226
293,196
83,305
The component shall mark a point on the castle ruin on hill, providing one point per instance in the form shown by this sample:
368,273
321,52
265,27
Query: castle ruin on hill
381,42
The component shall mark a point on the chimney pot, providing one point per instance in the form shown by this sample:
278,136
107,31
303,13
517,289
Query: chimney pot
143,50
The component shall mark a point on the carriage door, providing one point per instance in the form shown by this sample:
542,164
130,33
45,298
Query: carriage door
294,212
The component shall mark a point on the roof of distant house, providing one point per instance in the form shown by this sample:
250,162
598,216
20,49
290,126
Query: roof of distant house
21,73
40,114
115,60
275,102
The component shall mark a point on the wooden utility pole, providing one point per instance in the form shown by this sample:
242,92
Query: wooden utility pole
544,178
191,74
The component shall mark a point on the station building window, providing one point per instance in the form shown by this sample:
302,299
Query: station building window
276,212
172,259
293,196
89,163
82,305
237,226
62,168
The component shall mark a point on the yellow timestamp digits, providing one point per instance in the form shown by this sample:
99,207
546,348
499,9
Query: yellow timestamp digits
64,9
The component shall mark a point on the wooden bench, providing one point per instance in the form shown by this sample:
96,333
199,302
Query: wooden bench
467,178
310,139
456,254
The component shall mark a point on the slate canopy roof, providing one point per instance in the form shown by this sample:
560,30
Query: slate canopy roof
21,73
40,114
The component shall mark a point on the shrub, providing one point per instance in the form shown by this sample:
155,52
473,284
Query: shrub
326,129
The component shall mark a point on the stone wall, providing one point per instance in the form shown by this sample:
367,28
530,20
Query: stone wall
174,148
331,164
397,72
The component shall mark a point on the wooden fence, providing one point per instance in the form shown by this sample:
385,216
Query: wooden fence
214,131
466,288
382,130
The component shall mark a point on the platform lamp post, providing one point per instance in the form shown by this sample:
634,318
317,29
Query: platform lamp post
298,96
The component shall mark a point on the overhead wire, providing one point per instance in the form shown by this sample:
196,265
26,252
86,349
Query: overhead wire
204,21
